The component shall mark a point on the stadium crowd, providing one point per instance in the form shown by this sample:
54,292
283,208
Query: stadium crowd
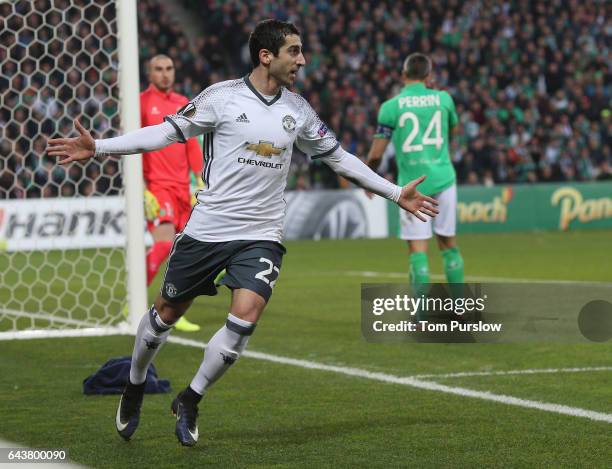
58,64
531,81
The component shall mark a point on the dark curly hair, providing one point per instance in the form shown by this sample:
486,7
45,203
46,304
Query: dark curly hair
270,35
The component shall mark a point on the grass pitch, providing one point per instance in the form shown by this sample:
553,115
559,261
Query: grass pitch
264,414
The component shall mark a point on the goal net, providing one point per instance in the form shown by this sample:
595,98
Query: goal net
63,230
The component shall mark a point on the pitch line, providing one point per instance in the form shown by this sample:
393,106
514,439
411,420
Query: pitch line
471,278
534,371
46,317
416,383
61,333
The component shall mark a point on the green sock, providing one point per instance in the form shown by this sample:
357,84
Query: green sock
453,267
419,277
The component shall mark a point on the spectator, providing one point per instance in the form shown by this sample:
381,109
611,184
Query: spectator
531,80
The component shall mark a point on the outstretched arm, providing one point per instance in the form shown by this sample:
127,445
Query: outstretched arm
84,146
407,197
315,139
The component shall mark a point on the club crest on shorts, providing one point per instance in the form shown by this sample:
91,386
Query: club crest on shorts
289,123
171,290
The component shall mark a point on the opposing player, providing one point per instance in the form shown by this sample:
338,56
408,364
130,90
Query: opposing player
418,122
166,171
250,126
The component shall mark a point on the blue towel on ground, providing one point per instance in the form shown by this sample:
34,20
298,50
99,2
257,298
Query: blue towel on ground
112,377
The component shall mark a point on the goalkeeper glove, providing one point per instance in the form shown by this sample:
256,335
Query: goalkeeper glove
151,205
196,185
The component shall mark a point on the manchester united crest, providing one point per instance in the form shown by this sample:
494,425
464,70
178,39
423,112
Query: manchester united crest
289,123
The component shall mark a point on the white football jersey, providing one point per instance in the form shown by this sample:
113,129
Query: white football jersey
248,143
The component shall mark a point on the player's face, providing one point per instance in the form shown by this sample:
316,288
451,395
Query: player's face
284,67
161,74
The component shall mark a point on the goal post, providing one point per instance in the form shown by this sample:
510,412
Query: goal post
72,253
129,88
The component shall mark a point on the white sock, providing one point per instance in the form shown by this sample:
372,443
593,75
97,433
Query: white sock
222,351
152,332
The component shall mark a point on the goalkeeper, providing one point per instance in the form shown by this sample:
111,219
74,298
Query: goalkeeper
168,197
418,122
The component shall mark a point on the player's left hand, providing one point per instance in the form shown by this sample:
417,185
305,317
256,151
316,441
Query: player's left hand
78,148
416,203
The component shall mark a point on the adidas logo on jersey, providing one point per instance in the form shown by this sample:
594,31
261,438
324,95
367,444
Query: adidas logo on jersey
243,118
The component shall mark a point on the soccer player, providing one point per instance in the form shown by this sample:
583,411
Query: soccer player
418,122
166,171
250,126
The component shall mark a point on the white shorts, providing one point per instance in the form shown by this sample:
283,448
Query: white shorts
445,223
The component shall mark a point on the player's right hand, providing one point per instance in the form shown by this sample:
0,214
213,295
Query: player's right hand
78,148
151,205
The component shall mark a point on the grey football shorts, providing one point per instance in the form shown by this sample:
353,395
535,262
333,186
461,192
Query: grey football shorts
193,266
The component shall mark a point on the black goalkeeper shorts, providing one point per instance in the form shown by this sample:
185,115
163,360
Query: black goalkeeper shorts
193,266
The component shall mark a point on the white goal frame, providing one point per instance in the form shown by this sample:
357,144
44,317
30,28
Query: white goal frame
129,91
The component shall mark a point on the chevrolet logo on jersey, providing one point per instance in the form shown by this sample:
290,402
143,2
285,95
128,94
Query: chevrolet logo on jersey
264,148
